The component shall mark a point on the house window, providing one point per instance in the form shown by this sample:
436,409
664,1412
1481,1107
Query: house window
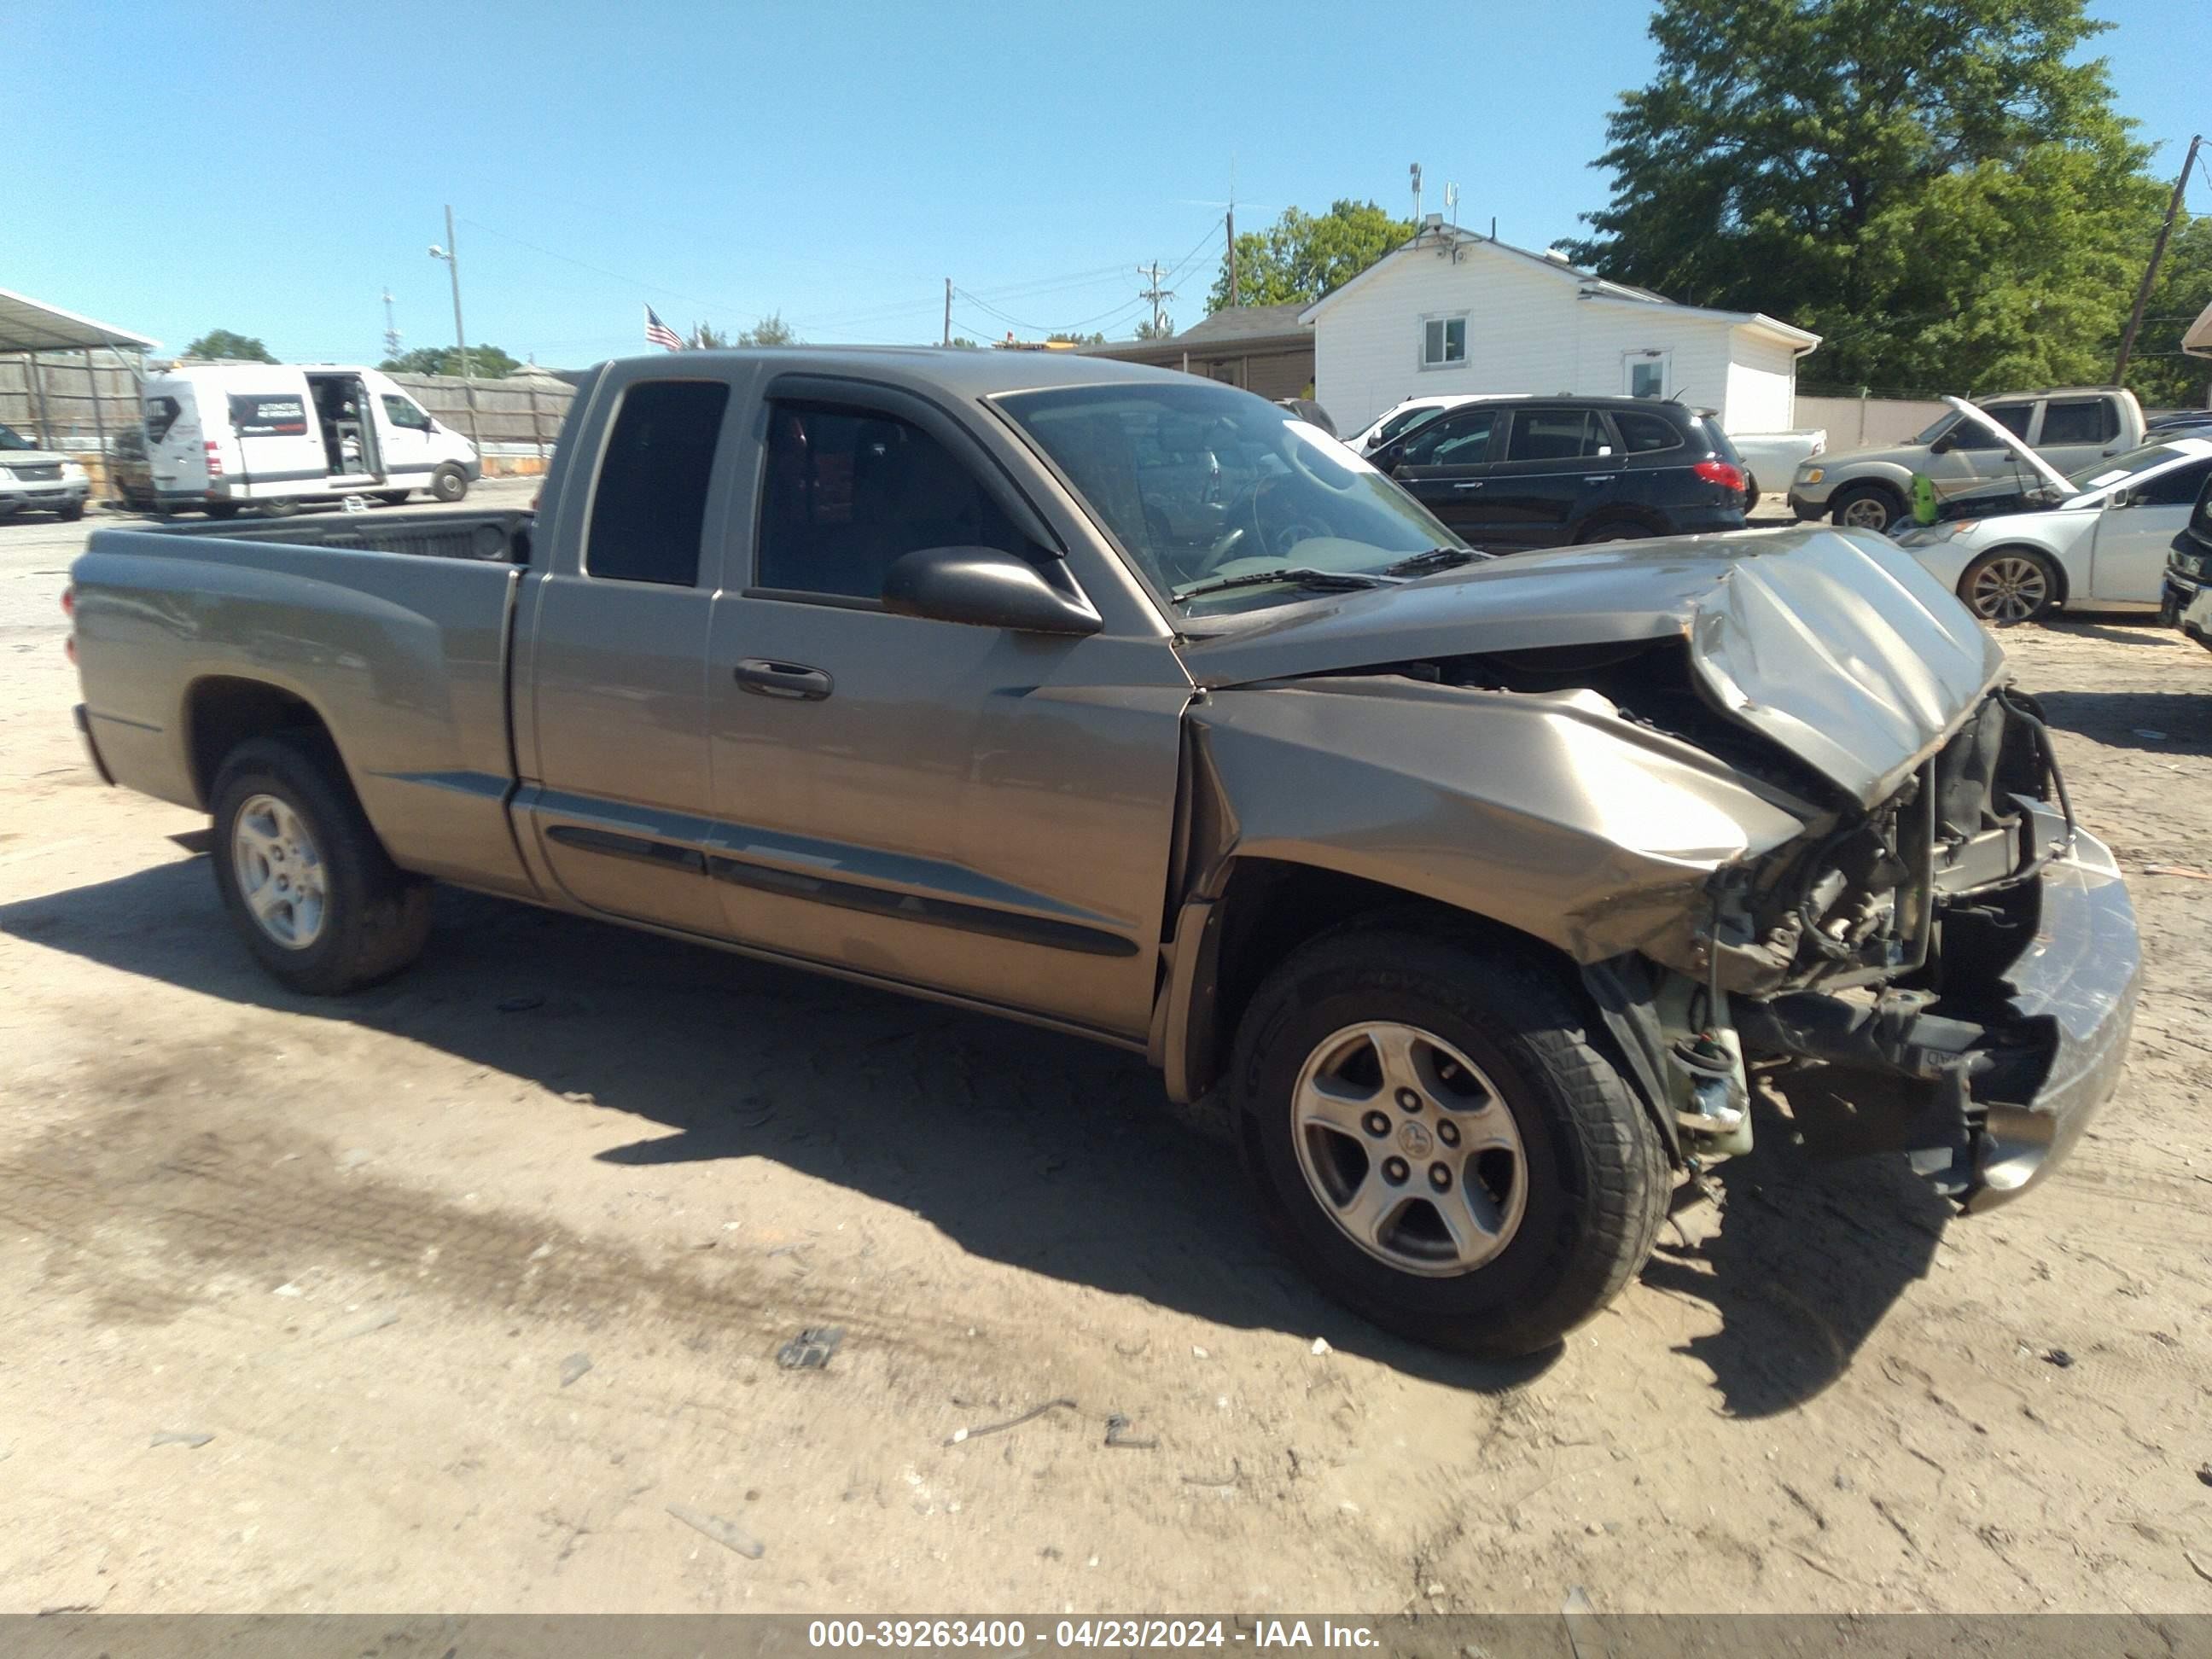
1443,341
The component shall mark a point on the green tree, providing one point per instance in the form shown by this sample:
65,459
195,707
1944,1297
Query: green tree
1303,256
2158,371
221,344
1146,331
706,337
770,331
1079,339
486,363
1940,188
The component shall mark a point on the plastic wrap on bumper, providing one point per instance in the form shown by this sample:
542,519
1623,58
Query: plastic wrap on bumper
2081,974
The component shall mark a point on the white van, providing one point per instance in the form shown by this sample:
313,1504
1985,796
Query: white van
220,437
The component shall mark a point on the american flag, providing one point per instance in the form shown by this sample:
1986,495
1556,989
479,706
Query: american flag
659,333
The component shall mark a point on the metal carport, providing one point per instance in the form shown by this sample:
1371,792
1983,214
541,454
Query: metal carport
31,328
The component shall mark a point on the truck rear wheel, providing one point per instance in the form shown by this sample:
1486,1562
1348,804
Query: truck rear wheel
221,509
449,483
1438,1143
308,886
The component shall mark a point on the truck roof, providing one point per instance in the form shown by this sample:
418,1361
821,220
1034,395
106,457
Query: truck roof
979,372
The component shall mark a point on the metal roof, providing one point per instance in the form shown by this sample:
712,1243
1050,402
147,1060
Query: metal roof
28,325
2197,341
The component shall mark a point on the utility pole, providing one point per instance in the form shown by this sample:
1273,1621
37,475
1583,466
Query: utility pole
1154,272
2150,271
1414,171
948,311
450,255
1235,297
390,329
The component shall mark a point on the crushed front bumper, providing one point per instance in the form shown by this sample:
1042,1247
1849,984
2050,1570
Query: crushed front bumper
1988,1082
2187,605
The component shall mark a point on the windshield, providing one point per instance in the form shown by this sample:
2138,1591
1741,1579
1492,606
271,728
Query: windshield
2105,471
11,439
1198,482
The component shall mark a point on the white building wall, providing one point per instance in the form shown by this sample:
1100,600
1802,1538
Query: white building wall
1528,330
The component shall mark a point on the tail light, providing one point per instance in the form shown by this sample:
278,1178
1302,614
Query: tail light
1726,474
214,460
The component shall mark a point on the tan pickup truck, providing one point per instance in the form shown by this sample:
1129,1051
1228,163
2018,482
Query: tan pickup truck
1465,894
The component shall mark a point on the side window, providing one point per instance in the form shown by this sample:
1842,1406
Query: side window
1554,434
1645,434
1973,435
1444,342
2080,421
400,412
1462,439
850,492
1398,423
161,414
2176,487
650,503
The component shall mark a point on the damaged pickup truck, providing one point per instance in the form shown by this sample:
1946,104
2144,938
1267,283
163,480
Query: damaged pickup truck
1471,898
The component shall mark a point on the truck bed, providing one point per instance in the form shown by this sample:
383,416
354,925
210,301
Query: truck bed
393,630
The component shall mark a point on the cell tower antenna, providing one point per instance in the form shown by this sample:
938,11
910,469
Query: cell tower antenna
391,328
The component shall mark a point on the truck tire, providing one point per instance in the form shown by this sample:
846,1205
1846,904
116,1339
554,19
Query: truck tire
449,483
2010,585
1435,1140
391,497
308,886
221,509
70,514
1866,507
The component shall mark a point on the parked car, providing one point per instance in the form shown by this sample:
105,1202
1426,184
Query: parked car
221,437
2185,601
1871,489
1467,888
2104,544
2179,423
36,479
1769,457
1508,474
129,475
1399,417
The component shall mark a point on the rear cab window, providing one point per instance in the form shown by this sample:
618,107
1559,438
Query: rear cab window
649,502
2080,421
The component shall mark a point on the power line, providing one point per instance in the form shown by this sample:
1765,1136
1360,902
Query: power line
619,277
1156,293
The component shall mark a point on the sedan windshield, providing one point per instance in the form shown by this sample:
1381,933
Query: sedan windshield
1199,484
2107,471
11,439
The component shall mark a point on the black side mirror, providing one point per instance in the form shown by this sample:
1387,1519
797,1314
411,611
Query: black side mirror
1943,446
984,587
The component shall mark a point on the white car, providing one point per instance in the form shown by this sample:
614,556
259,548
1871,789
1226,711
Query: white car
1396,418
2105,544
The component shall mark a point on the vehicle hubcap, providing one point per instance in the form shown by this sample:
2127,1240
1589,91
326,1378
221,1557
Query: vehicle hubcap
2009,590
1409,1149
280,871
1866,512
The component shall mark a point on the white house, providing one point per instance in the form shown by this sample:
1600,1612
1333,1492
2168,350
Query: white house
1451,311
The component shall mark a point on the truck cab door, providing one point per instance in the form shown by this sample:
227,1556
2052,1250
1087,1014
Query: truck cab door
957,808
1445,464
404,429
1969,455
2077,431
608,688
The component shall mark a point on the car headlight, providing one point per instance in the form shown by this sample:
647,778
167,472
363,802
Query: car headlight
72,472
6,475
1810,474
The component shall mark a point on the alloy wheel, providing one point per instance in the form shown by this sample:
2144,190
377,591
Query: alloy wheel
281,874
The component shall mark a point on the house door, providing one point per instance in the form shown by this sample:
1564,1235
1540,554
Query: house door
1647,373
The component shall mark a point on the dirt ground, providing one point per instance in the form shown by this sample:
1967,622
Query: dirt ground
459,1284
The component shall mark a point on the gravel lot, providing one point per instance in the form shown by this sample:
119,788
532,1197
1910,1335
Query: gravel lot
454,1288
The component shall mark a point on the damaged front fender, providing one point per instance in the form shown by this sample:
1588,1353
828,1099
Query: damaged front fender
1546,812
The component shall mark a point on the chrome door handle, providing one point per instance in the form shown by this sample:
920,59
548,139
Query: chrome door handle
1597,477
1472,483
793,681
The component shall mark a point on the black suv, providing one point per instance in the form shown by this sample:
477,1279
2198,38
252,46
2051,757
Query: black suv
1512,473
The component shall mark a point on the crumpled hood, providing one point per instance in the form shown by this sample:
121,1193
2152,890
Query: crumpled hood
1837,645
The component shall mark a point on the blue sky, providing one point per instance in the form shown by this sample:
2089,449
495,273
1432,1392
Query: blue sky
273,168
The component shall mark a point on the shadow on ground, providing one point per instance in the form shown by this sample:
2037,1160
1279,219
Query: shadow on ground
1041,1151
2155,722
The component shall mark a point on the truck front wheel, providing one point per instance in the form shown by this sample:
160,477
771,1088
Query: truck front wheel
1436,1141
308,886
449,483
